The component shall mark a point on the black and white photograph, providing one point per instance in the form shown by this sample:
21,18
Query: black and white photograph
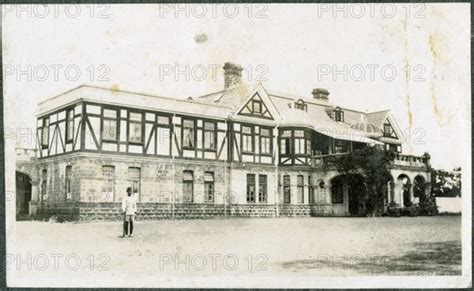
237,145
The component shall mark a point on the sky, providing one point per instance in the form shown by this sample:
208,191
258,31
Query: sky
411,59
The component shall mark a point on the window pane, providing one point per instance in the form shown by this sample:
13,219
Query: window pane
110,113
246,130
262,188
265,132
135,116
135,134
300,180
250,187
209,126
209,140
110,129
299,133
188,123
163,120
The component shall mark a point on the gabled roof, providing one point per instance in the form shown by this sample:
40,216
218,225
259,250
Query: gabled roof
377,118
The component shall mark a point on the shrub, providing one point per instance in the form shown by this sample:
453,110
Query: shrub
394,210
412,210
428,206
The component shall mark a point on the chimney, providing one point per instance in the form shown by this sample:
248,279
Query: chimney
232,75
320,94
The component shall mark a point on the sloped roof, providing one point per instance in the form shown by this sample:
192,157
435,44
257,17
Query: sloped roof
136,100
378,118
225,103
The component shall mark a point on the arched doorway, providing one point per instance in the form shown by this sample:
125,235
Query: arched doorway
23,194
419,187
405,186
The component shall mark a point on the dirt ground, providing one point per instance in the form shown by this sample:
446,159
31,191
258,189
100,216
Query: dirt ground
230,247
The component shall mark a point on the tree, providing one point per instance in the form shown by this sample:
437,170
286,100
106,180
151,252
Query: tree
446,183
373,164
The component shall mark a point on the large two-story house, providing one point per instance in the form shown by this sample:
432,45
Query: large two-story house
242,151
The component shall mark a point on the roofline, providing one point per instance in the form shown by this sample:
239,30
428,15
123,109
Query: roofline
134,93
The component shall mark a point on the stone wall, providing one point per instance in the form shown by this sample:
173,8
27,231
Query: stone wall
111,211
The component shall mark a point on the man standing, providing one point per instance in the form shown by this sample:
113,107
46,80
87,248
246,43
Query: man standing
129,207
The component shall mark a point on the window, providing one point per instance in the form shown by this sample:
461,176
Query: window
134,180
300,105
341,146
310,190
256,106
163,120
251,188
108,186
188,187
338,114
300,142
286,189
300,188
109,129
209,186
188,133
70,126
44,185
388,130
285,142
247,141
45,133
135,128
265,141
68,181
209,135
337,193
262,188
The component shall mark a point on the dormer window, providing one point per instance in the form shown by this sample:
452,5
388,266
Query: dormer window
338,115
300,105
257,106
388,130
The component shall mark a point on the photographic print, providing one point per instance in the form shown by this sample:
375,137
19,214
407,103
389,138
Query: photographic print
237,145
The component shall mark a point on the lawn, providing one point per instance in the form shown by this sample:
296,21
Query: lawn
239,247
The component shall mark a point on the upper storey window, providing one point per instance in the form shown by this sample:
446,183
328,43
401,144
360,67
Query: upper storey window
300,105
135,128
388,130
338,114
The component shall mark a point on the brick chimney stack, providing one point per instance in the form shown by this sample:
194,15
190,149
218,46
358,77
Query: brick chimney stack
232,75
320,94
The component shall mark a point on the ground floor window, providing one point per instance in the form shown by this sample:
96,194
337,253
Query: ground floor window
188,186
310,190
68,181
300,188
108,186
209,186
286,189
262,188
251,188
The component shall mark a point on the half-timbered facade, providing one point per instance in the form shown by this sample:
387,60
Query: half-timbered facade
244,150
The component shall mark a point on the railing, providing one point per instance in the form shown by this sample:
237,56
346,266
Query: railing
399,160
